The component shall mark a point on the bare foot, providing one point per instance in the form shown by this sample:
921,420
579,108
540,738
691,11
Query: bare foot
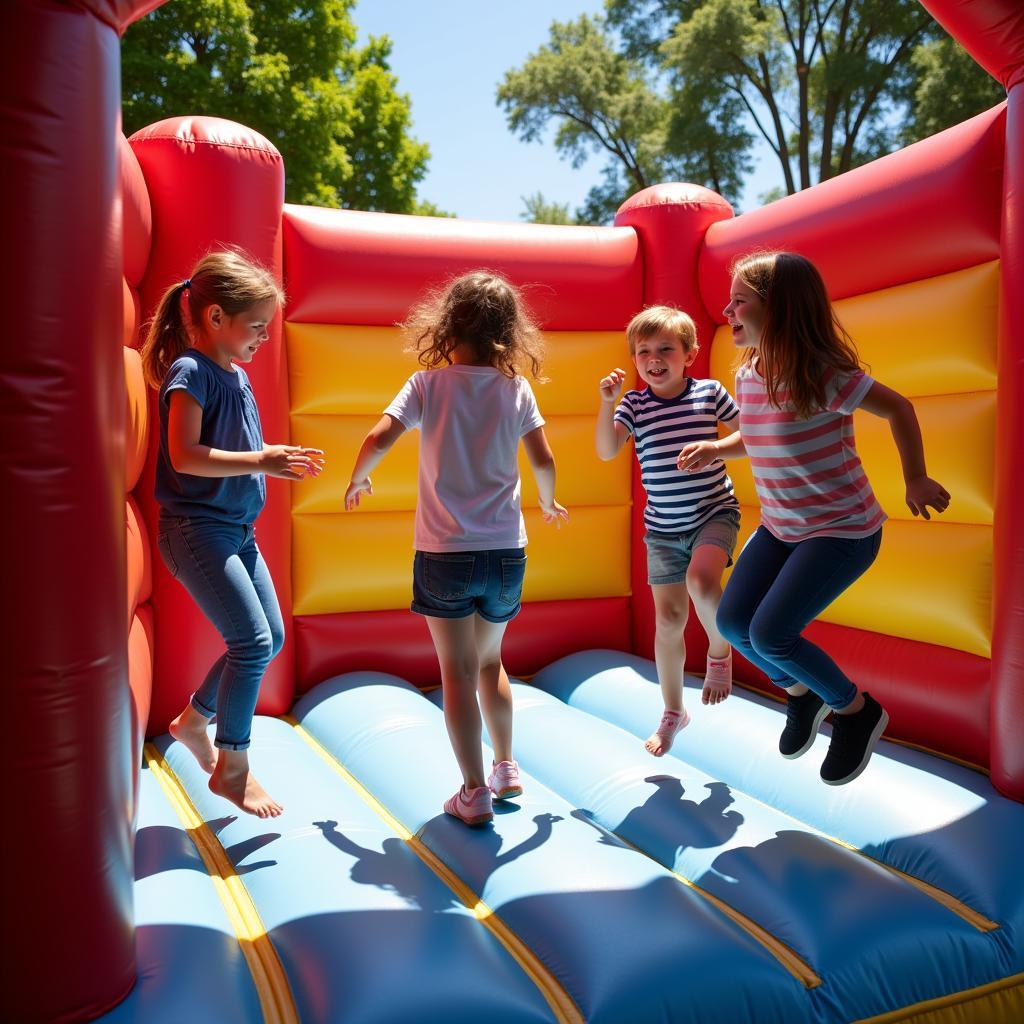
189,729
242,789
717,680
660,741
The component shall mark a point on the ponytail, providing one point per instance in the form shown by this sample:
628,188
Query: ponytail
167,337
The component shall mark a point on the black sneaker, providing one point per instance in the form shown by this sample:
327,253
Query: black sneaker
853,742
803,716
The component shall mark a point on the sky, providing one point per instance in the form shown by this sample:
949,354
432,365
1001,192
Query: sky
449,57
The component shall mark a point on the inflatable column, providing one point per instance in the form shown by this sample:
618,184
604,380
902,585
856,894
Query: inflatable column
68,765
212,182
671,221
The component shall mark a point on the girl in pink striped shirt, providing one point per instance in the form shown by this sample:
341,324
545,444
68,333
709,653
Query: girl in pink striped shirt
821,526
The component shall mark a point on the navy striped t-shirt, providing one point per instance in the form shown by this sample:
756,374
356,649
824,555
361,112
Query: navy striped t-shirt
678,501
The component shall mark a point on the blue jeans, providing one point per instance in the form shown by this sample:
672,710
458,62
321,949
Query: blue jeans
220,565
775,590
456,584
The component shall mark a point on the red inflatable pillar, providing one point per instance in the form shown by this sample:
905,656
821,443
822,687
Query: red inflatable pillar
215,182
671,221
993,34
1007,726
67,749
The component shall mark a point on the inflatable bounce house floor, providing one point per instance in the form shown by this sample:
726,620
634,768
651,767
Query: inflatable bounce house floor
719,883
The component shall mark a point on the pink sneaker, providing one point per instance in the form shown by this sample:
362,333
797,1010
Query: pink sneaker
660,741
503,781
471,806
717,680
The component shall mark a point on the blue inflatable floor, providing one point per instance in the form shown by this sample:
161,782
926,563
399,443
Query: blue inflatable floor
718,884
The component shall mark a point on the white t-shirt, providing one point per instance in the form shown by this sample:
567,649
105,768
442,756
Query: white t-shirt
471,419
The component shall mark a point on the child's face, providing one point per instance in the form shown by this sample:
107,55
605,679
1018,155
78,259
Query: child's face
662,362
745,314
238,337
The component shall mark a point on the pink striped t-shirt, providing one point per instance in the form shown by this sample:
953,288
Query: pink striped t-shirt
808,475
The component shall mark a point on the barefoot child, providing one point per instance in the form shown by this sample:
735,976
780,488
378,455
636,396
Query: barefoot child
821,526
210,487
472,408
691,521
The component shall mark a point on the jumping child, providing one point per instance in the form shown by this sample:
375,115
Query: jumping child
472,408
821,526
210,485
691,522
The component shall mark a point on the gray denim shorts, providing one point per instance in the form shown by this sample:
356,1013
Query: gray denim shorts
669,554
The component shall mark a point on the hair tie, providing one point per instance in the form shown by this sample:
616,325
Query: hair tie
187,283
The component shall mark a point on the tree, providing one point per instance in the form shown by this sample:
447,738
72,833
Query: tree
537,210
292,71
828,84
948,89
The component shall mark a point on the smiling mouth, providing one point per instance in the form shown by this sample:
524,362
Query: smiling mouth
657,373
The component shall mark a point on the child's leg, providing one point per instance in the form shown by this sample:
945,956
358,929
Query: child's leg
816,573
753,577
220,566
494,690
671,609
704,583
455,643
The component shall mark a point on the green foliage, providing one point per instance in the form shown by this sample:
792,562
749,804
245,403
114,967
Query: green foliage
601,101
683,88
292,71
948,89
537,210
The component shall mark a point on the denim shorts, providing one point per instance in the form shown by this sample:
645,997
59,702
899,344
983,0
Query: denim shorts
455,584
669,554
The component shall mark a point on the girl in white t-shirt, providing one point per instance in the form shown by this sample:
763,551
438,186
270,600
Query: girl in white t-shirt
472,408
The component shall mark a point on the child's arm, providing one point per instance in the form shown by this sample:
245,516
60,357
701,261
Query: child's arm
187,455
699,455
542,462
376,445
610,436
922,490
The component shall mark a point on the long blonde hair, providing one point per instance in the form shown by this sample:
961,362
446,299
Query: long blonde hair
225,277
802,339
480,309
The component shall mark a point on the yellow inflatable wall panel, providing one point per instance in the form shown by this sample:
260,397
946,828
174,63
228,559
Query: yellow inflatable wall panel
358,370
354,561
362,561
932,337
394,481
575,363
588,557
350,370
582,478
931,582
959,442
959,439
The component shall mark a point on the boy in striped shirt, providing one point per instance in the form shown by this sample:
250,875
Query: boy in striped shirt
691,519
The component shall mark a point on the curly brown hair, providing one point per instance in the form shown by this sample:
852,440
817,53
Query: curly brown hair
228,278
480,309
802,339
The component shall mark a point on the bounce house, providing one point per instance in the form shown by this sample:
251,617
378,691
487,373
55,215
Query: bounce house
719,883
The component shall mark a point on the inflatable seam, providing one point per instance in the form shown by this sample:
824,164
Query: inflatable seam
562,1004
268,974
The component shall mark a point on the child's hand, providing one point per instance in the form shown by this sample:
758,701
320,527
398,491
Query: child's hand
355,488
291,462
611,385
554,513
697,455
924,491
